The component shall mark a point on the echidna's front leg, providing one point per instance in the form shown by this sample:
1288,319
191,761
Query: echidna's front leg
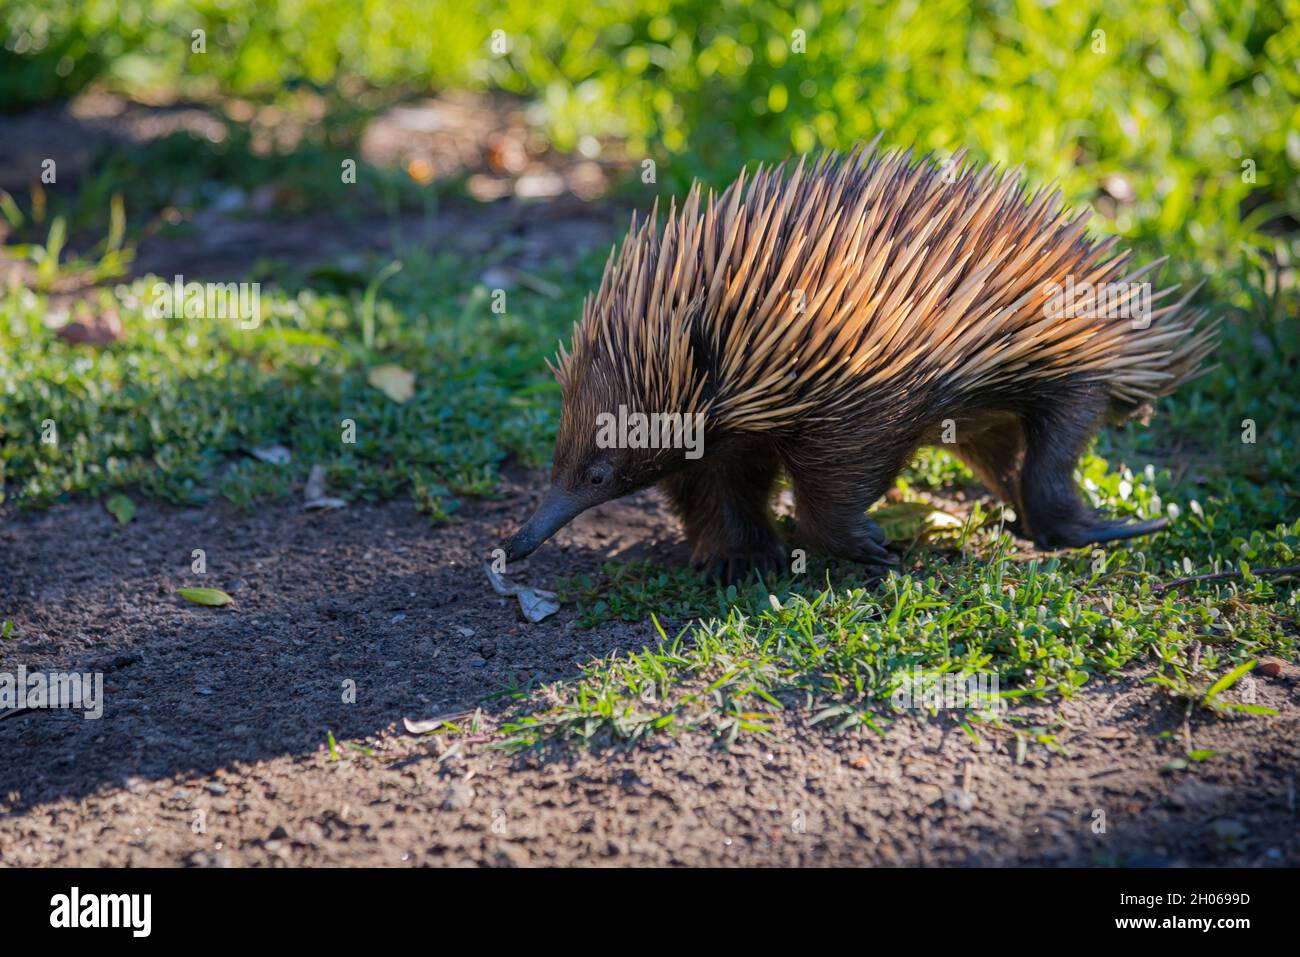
831,511
723,503
1055,438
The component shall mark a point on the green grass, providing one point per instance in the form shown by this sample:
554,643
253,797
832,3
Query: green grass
838,655
174,409
1171,98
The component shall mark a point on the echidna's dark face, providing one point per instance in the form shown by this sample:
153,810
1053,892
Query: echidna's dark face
592,464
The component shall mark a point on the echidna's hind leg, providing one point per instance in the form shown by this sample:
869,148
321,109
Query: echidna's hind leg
724,506
1056,434
995,452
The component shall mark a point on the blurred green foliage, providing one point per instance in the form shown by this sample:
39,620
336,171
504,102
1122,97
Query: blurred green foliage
1173,97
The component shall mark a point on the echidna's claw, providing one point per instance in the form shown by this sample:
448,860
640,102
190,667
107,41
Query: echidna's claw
734,569
1118,529
875,553
1097,532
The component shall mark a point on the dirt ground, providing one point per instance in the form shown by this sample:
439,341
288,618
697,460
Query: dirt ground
522,195
212,748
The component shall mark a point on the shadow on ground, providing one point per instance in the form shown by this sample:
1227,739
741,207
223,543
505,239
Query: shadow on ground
366,598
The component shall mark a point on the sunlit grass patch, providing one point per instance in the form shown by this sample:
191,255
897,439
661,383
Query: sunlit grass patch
837,654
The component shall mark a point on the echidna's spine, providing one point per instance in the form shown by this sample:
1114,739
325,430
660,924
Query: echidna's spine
862,272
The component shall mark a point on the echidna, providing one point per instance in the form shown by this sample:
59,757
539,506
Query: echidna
832,320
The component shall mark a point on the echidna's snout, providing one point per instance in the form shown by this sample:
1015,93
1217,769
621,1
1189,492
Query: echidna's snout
558,508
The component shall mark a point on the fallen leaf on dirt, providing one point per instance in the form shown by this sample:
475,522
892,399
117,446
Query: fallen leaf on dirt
212,597
314,493
121,508
317,504
1229,831
959,798
393,381
1275,668
99,329
909,520
930,793
274,454
535,603
425,725
315,483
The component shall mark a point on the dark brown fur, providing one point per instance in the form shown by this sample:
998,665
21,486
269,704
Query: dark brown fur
1024,452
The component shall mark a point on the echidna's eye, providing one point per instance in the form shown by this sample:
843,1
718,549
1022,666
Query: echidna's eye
597,478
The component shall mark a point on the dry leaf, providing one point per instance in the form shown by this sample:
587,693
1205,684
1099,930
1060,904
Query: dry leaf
535,603
910,520
274,454
393,381
314,492
425,725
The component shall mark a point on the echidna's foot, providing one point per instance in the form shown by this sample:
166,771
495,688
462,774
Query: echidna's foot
1097,532
732,568
875,553
831,513
871,528
862,549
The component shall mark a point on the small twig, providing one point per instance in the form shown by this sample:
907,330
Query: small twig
1218,576
1187,711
